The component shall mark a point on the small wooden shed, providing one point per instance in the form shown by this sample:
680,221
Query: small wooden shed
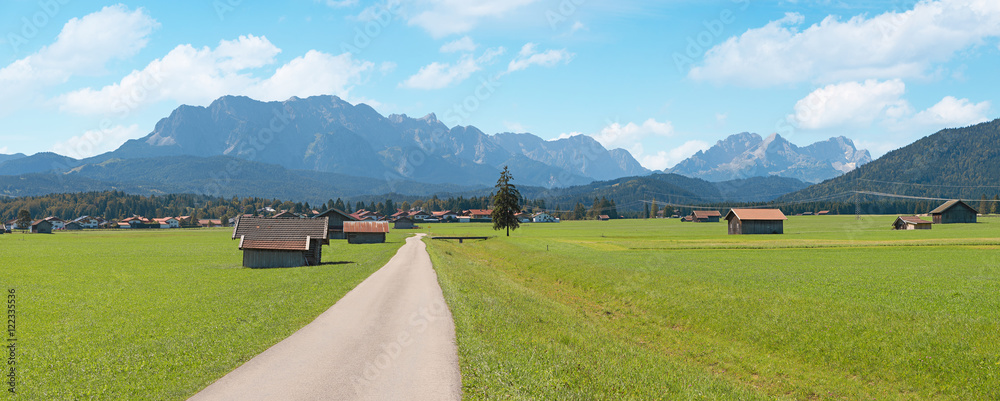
366,232
281,242
756,221
705,216
41,227
336,218
911,223
954,211
403,222
73,226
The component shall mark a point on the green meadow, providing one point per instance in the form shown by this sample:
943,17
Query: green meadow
157,314
836,308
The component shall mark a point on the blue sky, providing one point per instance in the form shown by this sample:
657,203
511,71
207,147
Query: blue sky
660,79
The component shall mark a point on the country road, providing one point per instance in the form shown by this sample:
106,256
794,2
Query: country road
390,338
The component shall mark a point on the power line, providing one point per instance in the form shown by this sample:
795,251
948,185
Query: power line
921,197
930,185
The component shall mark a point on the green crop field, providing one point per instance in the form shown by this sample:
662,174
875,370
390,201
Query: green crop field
658,309
157,314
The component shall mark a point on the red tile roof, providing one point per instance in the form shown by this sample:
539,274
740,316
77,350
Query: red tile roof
912,220
279,234
757,214
366,226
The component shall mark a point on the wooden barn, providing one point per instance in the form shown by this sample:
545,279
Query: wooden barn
705,216
41,227
756,221
403,223
366,232
281,242
73,226
954,211
336,217
910,223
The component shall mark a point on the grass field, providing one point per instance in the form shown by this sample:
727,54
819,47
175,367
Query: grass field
157,314
658,309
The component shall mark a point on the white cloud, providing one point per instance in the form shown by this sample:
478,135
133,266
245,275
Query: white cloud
952,112
616,135
890,45
528,57
198,76
851,104
576,27
465,44
439,75
4,150
95,142
565,135
441,18
84,46
665,159
387,67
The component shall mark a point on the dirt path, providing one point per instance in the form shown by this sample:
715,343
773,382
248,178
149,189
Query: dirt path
390,338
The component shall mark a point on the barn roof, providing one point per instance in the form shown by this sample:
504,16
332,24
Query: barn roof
332,211
950,204
366,226
757,214
480,211
704,214
279,234
911,220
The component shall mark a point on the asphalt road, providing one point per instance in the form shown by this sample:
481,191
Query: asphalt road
391,338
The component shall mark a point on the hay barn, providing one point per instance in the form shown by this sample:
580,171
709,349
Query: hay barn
281,242
404,223
336,217
954,211
756,221
911,223
705,216
41,227
73,226
366,232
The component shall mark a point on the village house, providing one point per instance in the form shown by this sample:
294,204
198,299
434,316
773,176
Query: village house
445,215
366,232
911,223
210,222
523,217
756,221
268,242
705,216
954,211
542,217
364,215
479,213
419,215
285,215
823,213
87,222
57,223
73,226
168,222
336,219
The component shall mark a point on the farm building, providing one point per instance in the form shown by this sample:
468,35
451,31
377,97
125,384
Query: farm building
822,212
41,227
604,217
336,217
705,216
404,223
910,223
445,215
420,215
756,221
523,217
542,217
366,232
281,242
285,215
954,211
480,213
168,222
87,222
57,223
3,228
73,226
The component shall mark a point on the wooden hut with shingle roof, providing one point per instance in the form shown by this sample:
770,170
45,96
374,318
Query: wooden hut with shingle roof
366,232
705,216
281,242
910,223
756,221
954,211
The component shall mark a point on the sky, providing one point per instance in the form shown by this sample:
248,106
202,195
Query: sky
660,79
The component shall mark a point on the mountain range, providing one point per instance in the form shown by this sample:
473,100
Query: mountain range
748,155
